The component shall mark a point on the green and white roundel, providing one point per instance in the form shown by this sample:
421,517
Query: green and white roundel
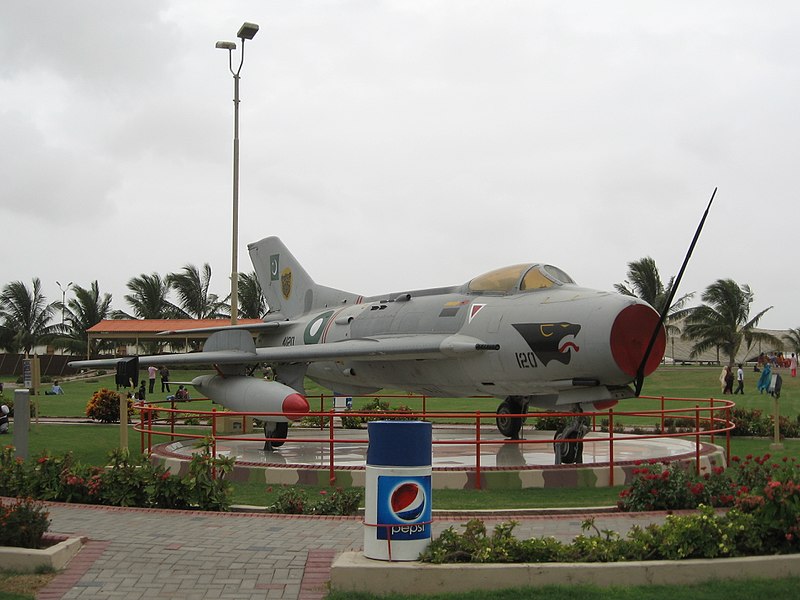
314,329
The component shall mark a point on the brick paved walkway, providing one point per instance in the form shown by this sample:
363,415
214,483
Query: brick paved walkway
140,553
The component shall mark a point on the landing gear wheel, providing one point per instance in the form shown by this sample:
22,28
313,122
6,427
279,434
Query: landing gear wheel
275,430
567,453
509,426
570,453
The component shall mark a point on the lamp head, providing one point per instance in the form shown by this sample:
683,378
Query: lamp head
226,45
247,31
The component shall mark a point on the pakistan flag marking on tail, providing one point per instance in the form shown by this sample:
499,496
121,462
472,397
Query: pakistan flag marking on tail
274,266
314,330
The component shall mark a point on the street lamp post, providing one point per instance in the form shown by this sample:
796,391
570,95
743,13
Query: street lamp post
246,32
63,297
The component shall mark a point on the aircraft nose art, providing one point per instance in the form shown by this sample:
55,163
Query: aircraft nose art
630,335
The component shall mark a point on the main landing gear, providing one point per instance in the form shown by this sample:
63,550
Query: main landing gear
511,426
571,453
274,429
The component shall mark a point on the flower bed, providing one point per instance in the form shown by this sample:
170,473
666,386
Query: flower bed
56,553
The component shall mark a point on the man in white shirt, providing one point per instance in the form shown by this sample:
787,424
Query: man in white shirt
739,380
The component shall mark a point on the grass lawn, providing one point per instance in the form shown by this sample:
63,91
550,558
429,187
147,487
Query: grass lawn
91,443
670,381
17,586
754,589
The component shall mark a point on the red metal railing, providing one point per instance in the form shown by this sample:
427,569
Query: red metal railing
716,422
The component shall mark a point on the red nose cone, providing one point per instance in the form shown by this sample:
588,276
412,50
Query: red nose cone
295,403
630,335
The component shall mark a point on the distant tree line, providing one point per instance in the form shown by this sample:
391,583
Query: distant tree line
28,320
723,321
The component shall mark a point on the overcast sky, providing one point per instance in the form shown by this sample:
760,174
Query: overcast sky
403,144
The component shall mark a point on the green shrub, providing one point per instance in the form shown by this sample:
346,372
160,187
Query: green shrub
290,501
12,472
750,421
673,486
295,501
550,423
382,411
619,426
776,513
207,483
338,502
701,535
23,523
167,491
315,422
9,402
126,481
104,406
351,422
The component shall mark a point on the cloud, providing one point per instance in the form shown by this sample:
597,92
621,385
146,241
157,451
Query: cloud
49,183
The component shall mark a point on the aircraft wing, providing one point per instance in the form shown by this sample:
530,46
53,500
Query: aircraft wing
251,327
413,347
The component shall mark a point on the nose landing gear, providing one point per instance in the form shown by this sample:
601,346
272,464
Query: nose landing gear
571,453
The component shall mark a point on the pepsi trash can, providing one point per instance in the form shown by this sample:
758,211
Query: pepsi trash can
397,516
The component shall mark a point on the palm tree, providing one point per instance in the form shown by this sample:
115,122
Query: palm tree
793,339
82,312
192,288
25,316
724,320
251,301
644,282
148,298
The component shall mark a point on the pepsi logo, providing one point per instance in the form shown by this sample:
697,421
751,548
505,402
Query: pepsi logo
408,501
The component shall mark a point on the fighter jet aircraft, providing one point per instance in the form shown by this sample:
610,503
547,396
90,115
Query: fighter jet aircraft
526,334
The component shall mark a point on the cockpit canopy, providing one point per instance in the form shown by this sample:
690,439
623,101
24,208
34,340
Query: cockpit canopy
523,278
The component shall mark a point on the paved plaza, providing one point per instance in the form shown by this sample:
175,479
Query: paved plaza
146,553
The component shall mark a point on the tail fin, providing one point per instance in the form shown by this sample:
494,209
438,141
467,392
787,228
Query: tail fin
287,287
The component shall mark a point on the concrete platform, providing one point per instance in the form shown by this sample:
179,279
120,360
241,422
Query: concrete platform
306,458
352,572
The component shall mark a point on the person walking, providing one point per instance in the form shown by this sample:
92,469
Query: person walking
793,364
739,381
164,379
728,389
764,379
151,375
